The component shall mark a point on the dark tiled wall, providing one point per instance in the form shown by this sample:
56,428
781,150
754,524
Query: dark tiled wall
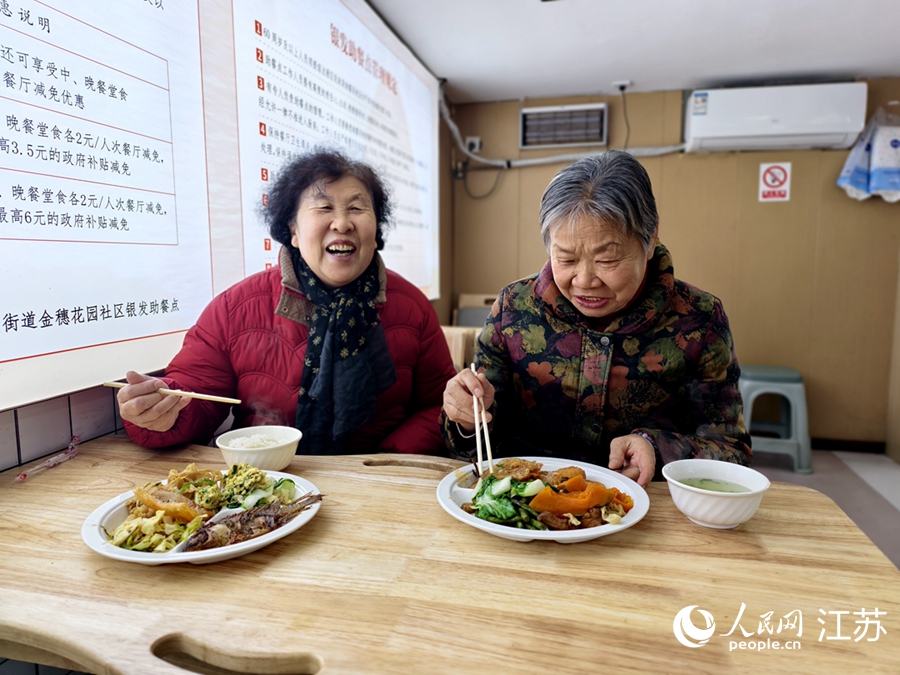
40,429
10,667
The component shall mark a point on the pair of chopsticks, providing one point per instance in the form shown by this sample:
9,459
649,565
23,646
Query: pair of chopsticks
479,403
178,392
56,460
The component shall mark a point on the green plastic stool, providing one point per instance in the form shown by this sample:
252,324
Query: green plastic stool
794,428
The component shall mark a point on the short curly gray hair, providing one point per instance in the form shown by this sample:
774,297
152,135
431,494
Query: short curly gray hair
612,187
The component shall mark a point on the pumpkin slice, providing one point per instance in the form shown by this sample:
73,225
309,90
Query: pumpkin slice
623,500
576,503
575,484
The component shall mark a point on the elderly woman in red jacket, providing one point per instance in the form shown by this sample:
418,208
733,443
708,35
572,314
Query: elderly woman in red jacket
330,341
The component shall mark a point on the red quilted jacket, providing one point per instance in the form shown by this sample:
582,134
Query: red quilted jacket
249,343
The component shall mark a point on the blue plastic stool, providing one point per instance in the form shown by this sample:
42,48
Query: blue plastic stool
794,427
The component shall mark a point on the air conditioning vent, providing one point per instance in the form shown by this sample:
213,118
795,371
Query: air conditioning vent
563,125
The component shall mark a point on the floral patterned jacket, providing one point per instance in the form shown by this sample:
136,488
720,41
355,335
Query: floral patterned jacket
566,384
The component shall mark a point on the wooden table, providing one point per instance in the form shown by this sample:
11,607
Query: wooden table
383,581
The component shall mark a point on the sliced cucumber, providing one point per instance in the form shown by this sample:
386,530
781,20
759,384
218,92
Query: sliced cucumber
285,490
254,497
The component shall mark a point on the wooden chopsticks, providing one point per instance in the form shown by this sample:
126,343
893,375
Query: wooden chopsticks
178,392
484,427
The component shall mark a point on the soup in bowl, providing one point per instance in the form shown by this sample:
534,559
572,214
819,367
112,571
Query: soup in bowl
715,494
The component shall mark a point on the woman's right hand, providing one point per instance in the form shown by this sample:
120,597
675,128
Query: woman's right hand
142,405
458,394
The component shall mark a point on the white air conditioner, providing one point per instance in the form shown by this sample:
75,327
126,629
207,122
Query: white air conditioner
775,118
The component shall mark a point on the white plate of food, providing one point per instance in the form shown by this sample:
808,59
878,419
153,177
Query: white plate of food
456,489
104,521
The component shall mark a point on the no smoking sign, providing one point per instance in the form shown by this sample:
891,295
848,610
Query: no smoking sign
775,182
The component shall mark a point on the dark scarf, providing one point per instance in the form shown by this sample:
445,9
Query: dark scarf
347,360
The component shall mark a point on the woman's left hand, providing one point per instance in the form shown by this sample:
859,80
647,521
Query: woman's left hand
633,456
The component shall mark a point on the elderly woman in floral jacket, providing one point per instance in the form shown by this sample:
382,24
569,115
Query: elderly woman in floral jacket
603,356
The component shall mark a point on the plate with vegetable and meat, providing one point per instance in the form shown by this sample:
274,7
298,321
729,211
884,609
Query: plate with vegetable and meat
543,498
201,516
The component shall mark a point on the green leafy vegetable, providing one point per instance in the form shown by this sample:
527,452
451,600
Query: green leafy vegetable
500,502
501,486
491,507
528,489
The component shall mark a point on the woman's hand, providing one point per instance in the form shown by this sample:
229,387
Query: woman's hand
141,404
458,398
633,456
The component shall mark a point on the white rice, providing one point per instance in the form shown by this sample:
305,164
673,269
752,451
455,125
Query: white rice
253,442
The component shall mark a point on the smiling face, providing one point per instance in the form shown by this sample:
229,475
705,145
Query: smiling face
597,267
335,230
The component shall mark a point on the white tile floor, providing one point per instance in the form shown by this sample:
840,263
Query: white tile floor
880,472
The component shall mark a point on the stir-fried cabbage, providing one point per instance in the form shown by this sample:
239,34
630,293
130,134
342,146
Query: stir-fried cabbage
157,534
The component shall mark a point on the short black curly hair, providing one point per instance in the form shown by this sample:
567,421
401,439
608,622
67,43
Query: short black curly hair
322,166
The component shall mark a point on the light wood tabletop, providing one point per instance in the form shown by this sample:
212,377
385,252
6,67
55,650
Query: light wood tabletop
383,581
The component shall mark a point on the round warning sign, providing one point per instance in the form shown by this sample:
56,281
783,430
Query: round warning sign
775,176
775,182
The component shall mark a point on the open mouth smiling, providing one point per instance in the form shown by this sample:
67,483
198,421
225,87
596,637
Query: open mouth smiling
341,250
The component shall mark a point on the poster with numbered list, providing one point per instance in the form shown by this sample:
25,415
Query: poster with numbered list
312,75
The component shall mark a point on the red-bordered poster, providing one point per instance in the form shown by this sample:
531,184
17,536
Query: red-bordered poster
775,182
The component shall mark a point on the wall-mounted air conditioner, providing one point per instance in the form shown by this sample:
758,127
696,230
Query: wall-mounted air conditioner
775,118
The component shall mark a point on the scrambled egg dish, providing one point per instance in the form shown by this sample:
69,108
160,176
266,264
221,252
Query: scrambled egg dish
242,479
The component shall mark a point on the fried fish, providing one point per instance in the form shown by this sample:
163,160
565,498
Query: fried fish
248,524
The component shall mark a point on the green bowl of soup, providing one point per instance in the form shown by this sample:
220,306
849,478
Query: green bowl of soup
715,494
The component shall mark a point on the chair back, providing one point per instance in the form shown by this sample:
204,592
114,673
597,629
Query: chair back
461,341
473,309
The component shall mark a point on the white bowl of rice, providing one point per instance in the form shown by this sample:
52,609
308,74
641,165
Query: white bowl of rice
270,448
